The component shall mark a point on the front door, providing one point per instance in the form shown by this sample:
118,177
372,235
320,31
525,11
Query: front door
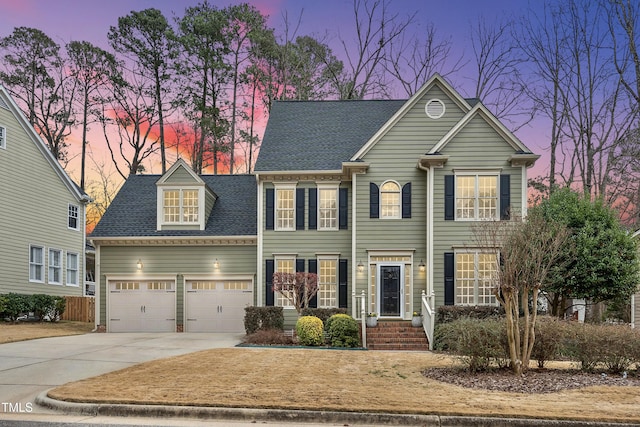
390,290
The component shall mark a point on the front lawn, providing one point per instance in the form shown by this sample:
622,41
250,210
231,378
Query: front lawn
22,331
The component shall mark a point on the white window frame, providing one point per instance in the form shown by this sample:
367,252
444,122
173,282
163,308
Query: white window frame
279,210
475,279
279,299
54,267
333,188
34,265
199,221
3,137
476,195
70,209
325,283
73,271
398,205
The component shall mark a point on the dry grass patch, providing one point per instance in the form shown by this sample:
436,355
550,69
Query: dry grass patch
22,331
358,381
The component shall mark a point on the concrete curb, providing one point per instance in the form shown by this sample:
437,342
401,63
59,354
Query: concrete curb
300,416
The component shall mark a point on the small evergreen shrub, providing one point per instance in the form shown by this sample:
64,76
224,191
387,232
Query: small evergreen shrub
322,313
309,330
343,331
43,306
60,305
16,305
256,318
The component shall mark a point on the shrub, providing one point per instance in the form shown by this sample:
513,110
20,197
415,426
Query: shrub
268,337
16,305
60,305
551,333
43,306
256,318
343,331
309,330
450,313
323,313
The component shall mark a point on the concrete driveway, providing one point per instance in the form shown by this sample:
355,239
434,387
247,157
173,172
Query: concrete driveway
27,368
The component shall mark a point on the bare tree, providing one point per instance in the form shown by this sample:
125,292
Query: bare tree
102,187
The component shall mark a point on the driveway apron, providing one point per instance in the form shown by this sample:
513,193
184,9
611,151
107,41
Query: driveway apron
27,368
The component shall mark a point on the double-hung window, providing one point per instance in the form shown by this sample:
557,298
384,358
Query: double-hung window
285,208
476,196
390,200
36,263
327,208
284,265
72,269
181,206
55,266
327,283
476,278
73,217
3,137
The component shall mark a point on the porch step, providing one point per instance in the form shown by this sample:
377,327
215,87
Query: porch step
396,335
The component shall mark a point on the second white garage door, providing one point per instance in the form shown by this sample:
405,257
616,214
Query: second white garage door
217,305
142,306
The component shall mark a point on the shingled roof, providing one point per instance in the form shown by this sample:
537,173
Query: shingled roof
133,211
320,135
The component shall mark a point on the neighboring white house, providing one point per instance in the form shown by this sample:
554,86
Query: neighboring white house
42,225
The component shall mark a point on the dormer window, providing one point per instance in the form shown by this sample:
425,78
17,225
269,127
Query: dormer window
180,206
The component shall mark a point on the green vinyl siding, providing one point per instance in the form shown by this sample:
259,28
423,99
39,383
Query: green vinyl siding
180,176
35,204
173,261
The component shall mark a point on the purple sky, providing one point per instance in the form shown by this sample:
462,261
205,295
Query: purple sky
67,20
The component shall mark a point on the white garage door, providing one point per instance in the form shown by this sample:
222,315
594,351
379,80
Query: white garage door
217,305
138,306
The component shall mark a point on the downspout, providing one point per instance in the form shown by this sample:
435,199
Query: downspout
260,286
97,290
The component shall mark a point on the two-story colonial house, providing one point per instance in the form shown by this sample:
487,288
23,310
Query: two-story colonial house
42,226
375,197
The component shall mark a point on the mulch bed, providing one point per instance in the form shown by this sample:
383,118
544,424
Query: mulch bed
533,381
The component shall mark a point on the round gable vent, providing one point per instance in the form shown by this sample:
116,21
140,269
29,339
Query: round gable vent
434,108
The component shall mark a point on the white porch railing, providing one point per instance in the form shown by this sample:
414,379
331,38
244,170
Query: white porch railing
428,316
360,307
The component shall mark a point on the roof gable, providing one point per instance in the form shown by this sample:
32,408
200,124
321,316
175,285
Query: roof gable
408,105
180,173
7,101
479,110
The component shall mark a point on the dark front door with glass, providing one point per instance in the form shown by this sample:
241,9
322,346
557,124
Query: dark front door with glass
390,292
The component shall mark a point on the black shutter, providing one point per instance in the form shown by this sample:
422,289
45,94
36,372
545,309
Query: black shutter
269,207
449,197
313,209
299,265
343,208
342,283
269,266
299,208
313,268
374,201
505,197
449,278
406,200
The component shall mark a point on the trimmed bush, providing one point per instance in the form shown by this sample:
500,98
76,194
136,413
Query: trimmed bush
256,318
551,334
450,313
322,313
16,305
343,331
43,306
60,305
309,330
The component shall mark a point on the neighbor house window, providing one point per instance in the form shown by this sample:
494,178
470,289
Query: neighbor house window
72,269
327,283
36,264
328,208
284,265
476,197
73,217
3,137
285,209
476,278
390,200
180,206
55,266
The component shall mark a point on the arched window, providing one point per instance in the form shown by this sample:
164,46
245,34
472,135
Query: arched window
390,200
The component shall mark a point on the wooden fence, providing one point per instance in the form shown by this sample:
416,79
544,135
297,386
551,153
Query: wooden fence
81,309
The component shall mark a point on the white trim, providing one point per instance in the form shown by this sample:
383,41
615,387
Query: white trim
66,281
430,203
434,100
354,262
42,265
180,163
524,193
289,187
97,291
436,79
259,283
476,175
334,186
60,267
160,191
276,295
491,120
336,259
399,216
218,276
3,137
69,206
475,251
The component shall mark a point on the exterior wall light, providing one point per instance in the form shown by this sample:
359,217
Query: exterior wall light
139,264
216,263
360,266
422,266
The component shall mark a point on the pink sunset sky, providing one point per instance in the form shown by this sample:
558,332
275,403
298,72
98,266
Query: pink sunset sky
67,20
